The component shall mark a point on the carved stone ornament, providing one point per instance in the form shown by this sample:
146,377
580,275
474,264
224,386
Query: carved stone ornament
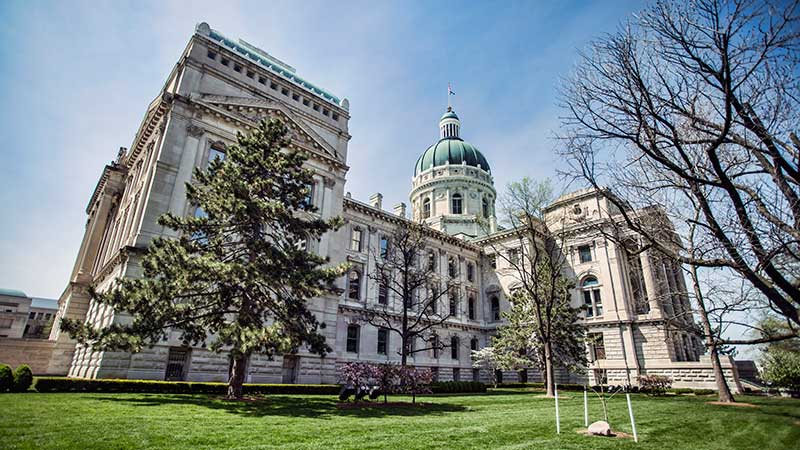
329,182
194,130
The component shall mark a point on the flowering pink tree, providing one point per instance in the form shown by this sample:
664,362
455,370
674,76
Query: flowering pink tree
358,373
414,381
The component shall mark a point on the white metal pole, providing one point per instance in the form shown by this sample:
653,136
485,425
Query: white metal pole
558,419
633,423
585,409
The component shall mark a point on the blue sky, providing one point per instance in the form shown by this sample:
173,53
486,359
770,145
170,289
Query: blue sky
76,78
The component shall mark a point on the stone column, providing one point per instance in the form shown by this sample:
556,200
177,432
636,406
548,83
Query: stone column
650,284
191,147
325,211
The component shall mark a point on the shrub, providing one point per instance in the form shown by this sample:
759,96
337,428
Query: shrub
23,378
704,391
59,384
6,378
682,391
654,384
457,387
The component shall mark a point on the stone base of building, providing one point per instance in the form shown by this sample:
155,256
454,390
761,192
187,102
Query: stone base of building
36,353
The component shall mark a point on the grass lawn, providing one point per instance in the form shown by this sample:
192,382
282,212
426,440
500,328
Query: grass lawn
497,420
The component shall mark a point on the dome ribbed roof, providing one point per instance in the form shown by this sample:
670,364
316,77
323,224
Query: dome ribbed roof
453,151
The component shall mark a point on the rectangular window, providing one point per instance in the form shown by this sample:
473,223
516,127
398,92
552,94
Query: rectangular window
435,373
177,364
513,256
473,344
456,374
211,55
308,201
214,153
523,376
492,261
32,315
384,247
353,333
383,289
453,304
587,301
585,253
436,346
476,374
355,240
597,348
454,344
6,323
250,74
471,308
237,68
470,272
383,340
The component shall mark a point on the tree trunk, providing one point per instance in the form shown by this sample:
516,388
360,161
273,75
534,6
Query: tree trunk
237,377
549,375
719,377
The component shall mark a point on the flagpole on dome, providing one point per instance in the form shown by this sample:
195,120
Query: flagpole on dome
450,92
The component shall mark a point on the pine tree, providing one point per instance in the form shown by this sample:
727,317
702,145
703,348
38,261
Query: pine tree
237,277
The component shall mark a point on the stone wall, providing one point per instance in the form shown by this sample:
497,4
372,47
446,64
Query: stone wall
34,352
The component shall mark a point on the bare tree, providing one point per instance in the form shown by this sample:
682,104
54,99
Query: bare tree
541,327
693,106
410,291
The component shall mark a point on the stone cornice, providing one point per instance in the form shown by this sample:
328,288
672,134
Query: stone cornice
397,220
447,325
248,123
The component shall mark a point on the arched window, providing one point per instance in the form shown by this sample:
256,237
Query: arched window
354,284
590,288
473,344
426,208
495,308
456,204
485,205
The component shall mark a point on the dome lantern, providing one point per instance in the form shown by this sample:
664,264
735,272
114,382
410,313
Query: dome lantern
449,124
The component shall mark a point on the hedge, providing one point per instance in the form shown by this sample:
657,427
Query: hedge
60,384
457,387
6,378
23,378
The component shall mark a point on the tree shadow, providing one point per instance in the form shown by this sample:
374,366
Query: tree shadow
322,407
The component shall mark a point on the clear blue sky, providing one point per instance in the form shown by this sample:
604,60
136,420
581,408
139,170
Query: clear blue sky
76,77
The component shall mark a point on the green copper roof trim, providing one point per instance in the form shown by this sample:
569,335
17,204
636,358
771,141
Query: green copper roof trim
12,293
449,115
453,151
274,66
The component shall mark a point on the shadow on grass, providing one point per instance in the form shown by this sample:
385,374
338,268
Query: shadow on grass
284,405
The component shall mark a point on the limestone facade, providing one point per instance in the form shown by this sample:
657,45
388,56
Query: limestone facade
220,87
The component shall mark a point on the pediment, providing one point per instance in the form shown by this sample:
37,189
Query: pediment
249,111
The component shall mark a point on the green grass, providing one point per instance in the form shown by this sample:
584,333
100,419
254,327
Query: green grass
506,419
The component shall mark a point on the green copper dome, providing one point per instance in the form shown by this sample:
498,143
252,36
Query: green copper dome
452,150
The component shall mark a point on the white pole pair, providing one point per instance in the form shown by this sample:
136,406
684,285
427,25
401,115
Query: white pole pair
585,408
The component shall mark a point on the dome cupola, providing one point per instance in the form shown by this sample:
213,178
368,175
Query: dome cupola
450,149
452,189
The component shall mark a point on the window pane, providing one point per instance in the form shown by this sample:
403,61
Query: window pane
585,253
214,153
